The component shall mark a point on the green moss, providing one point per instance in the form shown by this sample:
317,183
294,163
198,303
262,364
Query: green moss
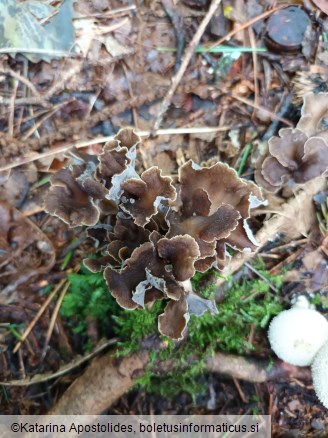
134,326
248,305
88,300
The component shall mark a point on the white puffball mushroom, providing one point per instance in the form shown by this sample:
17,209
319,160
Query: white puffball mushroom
320,374
297,334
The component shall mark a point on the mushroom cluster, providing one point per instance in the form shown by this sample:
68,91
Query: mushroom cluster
157,232
301,154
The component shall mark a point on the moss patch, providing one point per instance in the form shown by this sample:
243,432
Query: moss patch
248,305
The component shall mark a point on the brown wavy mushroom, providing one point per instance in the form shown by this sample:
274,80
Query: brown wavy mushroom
294,158
158,234
141,197
73,196
213,207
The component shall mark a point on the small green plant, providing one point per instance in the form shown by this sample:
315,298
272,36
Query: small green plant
248,305
320,301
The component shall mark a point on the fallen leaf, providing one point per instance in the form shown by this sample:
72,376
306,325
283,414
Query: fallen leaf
322,5
21,31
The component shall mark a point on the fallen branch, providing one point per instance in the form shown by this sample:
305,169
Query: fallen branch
108,378
103,382
252,370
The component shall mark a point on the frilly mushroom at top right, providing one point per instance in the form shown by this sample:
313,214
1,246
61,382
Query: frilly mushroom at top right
298,154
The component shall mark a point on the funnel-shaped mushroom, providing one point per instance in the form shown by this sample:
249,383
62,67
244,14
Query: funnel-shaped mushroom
213,207
301,154
73,196
141,197
155,233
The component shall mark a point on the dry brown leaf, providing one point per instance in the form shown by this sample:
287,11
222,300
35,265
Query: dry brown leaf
322,5
296,216
24,250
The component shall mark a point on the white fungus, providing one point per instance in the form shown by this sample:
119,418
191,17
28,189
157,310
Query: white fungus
297,334
320,374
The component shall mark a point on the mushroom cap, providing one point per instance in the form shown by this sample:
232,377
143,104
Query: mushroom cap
297,334
319,373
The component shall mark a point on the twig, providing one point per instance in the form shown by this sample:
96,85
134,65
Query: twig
37,316
293,244
40,378
178,30
25,81
81,144
294,255
67,74
187,57
240,391
243,26
12,109
134,110
108,14
24,101
47,116
53,319
255,66
102,30
253,370
103,382
250,267
262,109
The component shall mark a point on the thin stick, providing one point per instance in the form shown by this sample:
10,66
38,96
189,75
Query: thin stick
31,100
23,79
81,144
40,378
262,109
251,268
39,122
134,110
37,316
108,13
187,57
12,109
240,391
245,25
53,319
255,64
